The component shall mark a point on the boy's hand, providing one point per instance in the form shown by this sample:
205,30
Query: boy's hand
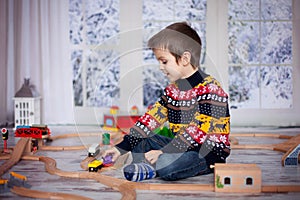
152,156
114,152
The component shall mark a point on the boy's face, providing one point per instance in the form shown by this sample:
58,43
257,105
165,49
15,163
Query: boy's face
168,65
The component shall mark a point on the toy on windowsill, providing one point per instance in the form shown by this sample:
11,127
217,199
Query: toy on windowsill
134,110
114,110
4,132
118,121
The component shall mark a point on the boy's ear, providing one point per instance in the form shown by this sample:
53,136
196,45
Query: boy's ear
186,58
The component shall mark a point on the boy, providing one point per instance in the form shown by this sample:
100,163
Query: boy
194,105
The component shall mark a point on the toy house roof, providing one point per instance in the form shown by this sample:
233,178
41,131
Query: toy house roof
27,90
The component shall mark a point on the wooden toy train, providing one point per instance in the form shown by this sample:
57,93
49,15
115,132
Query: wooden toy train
38,131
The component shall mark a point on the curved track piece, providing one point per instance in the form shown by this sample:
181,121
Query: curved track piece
45,195
16,155
287,145
123,186
85,162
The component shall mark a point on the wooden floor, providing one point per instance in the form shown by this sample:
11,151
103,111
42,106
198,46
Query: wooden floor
273,173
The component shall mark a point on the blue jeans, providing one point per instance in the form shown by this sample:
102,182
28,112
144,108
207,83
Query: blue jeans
171,166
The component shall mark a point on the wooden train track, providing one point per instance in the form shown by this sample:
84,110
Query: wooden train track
126,188
45,195
15,157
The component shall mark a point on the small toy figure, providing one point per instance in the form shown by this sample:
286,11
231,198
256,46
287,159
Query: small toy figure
4,132
114,110
134,110
107,161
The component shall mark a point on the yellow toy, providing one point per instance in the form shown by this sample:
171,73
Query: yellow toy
95,165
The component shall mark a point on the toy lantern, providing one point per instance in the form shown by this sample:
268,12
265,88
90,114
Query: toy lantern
27,105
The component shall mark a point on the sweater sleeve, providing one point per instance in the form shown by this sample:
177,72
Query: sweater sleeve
144,127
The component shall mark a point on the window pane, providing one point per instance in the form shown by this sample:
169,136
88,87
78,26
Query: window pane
276,87
102,20
244,87
158,10
276,10
243,9
243,42
76,21
276,42
190,10
102,78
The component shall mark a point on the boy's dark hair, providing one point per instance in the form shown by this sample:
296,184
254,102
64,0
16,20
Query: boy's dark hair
178,38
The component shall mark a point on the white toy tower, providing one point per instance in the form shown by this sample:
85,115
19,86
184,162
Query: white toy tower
27,105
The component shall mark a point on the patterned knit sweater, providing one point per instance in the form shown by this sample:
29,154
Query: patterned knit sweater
197,111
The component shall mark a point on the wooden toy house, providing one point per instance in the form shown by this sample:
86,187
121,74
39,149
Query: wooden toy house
244,178
27,105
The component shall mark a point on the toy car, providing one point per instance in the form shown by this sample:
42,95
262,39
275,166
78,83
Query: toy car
94,149
95,165
34,131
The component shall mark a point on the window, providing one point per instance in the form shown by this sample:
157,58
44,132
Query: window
248,45
260,54
227,181
249,181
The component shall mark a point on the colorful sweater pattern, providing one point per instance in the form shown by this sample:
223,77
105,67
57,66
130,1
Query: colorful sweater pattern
198,115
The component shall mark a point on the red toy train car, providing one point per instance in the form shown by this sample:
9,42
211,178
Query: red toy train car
39,131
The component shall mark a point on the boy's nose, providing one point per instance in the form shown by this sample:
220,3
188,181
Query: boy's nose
161,67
